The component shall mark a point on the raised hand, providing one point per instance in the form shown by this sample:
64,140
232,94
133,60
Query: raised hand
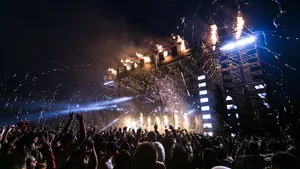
138,132
46,143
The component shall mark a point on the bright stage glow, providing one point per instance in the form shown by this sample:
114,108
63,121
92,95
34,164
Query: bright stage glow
238,43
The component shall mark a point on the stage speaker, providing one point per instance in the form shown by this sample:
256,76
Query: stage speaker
132,67
161,56
152,58
142,63
174,51
118,71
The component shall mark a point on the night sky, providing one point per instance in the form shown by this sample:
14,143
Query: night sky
88,37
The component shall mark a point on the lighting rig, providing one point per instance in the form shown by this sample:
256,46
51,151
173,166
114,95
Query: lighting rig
146,75
234,67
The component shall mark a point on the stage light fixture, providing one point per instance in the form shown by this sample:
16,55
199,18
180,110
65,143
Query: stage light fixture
202,77
202,84
229,98
207,125
203,92
208,133
238,43
204,100
262,95
260,86
206,116
205,108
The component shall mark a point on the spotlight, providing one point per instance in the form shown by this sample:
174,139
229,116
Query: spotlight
238,43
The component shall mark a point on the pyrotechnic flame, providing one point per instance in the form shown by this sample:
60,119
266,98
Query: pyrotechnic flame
182,43
159,48
176,121
149,123
112,71
126,61
141,119
185,121
214,35
157,120
128,67
147,59
165,53
166,121
239,26
140,56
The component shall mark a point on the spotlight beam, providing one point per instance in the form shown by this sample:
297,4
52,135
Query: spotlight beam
238,43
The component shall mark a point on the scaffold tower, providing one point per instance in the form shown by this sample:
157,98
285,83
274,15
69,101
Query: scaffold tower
245,90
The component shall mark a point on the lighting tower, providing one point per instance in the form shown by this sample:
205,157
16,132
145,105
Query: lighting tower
244,87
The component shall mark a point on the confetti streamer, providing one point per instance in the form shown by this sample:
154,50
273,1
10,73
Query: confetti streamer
278,82
244,2
268,50
281,12
283,37
194,20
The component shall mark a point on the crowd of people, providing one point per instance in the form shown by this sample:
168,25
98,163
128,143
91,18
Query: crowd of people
28,146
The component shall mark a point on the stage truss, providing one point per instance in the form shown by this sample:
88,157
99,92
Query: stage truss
181,71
